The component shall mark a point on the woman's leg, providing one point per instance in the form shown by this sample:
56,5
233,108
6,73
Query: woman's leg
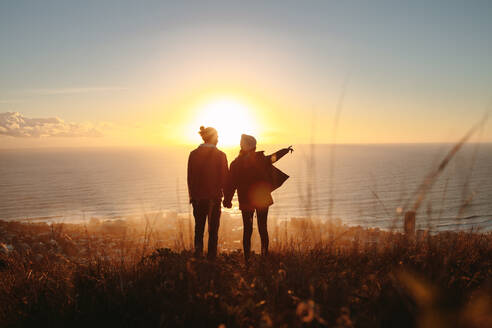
262,215
247,231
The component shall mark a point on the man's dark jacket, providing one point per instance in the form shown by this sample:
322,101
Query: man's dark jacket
207,173
254,177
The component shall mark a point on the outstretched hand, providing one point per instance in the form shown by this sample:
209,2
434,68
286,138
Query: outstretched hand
290,149
227,204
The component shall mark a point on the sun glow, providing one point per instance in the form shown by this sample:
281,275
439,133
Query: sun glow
230,117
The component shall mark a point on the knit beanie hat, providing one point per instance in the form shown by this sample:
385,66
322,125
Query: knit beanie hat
248,142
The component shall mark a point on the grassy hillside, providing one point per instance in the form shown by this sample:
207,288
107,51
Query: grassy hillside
73,276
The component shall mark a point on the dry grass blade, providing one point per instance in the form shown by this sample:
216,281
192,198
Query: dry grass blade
338,113
380,202
433,175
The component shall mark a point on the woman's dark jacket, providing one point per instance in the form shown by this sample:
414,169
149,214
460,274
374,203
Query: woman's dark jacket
254,177
207,173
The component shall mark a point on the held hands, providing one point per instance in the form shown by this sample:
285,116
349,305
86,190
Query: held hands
227,204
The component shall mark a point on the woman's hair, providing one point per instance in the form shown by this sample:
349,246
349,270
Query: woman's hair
207,134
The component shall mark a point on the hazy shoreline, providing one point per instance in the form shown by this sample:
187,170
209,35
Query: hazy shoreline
369,185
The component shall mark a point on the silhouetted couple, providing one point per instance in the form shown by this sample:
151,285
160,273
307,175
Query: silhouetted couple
209,179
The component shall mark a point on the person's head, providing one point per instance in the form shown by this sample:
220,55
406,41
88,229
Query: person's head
248,143
209,135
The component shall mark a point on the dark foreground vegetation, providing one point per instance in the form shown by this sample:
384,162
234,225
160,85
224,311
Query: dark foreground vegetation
56,278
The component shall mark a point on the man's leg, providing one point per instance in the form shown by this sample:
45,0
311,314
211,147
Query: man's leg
247,231
213,228
262,215
200,214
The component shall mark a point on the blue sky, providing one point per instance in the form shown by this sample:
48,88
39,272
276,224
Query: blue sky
417,61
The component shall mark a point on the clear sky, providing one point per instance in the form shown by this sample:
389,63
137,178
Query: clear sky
146,72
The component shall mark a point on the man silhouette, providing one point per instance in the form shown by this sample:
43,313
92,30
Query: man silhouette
207,174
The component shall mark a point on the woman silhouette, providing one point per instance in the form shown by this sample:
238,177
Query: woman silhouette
254,177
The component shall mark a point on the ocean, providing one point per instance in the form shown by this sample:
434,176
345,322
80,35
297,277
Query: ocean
367,185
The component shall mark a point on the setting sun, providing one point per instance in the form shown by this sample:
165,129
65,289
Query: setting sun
230,117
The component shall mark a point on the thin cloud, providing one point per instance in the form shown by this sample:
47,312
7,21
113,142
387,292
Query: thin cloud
69,91
14,124
8,102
